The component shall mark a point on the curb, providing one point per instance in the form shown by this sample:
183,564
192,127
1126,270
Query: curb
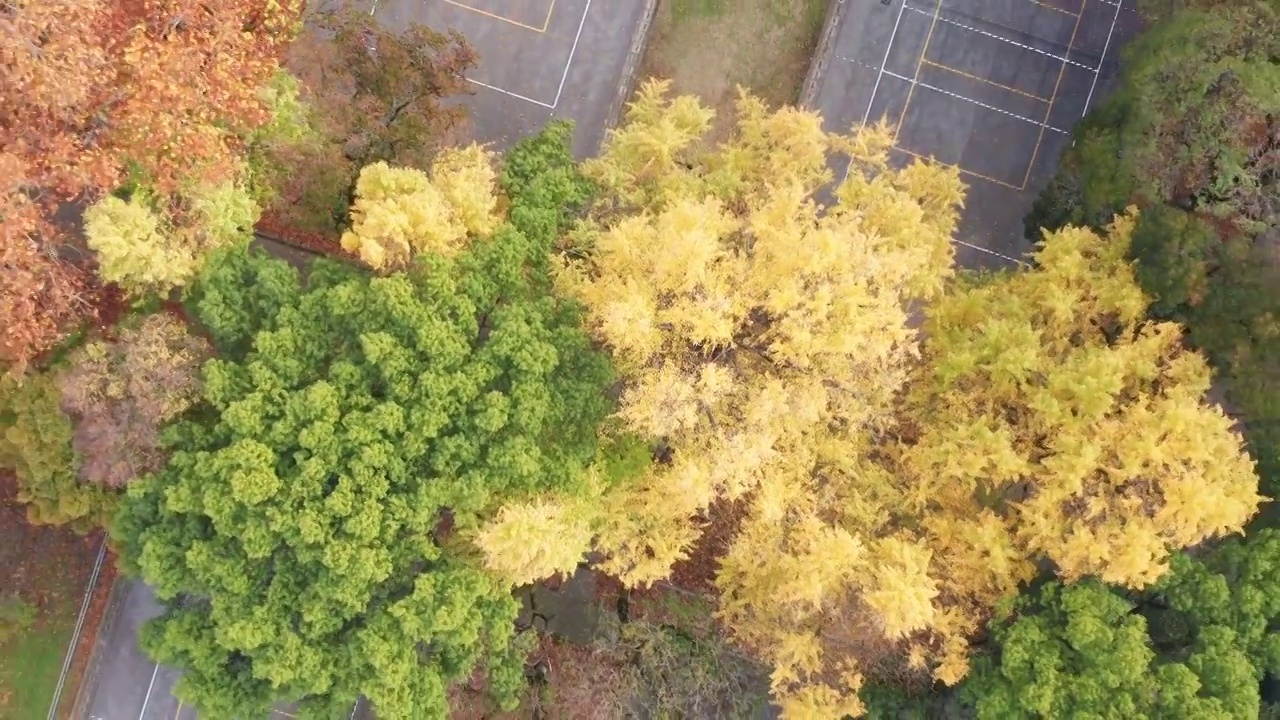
115,601
639,41
822,53
72,646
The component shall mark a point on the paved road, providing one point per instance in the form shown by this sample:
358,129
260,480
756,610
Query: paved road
991,86
129,685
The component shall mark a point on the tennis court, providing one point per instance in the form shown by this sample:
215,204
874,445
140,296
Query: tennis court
992,87
539,59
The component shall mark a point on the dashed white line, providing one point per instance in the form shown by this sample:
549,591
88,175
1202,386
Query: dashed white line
979,248
1000,38
1002,111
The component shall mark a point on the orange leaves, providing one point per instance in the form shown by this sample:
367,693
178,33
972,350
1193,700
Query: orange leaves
91,88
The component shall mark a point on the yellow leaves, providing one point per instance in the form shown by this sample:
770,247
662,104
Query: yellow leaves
529,542
1108,451
901,591
134,249
466,178
643,163
400,212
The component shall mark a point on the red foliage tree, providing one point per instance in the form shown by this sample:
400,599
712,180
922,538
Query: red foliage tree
94,90
376,95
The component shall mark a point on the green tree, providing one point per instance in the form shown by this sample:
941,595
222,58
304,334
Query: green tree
309,531
1196,646
36,441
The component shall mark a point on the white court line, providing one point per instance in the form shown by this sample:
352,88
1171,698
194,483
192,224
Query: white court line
1002,256
151,686
927,86
518,96
1106,46
577,36
563,76
1003,39
866,115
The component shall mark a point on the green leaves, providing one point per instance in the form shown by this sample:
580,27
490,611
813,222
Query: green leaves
1196,646
342,420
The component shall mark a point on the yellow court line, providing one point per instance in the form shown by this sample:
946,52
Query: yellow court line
978,175
1056,9
937,9
1053,98
178,714
545,24
979,78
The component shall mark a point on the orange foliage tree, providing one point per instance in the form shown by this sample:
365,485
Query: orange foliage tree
94,92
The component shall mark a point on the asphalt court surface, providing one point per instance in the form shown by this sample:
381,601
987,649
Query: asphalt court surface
992,87
539,59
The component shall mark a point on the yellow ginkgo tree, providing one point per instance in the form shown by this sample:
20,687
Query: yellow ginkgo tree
898,478
399,212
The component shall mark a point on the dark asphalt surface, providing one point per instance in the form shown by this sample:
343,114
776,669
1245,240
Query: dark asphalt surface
991,86
539,59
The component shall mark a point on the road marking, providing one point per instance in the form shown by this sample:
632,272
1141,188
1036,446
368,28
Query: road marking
867,115
1106,46
962,170
979,103
915,79
1055,9
1001,39
150,686
1035,153
979,78
545,24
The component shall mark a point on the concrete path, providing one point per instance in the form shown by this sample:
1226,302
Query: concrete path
993,87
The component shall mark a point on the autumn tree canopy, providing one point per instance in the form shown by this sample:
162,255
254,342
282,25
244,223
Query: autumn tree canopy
95,93
1191,136
374,95
400,212
898,483
118,394
303,533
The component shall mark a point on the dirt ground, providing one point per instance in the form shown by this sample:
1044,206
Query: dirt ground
710,47
49,568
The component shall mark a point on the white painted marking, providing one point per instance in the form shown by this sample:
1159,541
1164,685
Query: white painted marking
577,36
517,96
1106,46
564,76
979,248
867,115
147,699
1002,39
927,86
